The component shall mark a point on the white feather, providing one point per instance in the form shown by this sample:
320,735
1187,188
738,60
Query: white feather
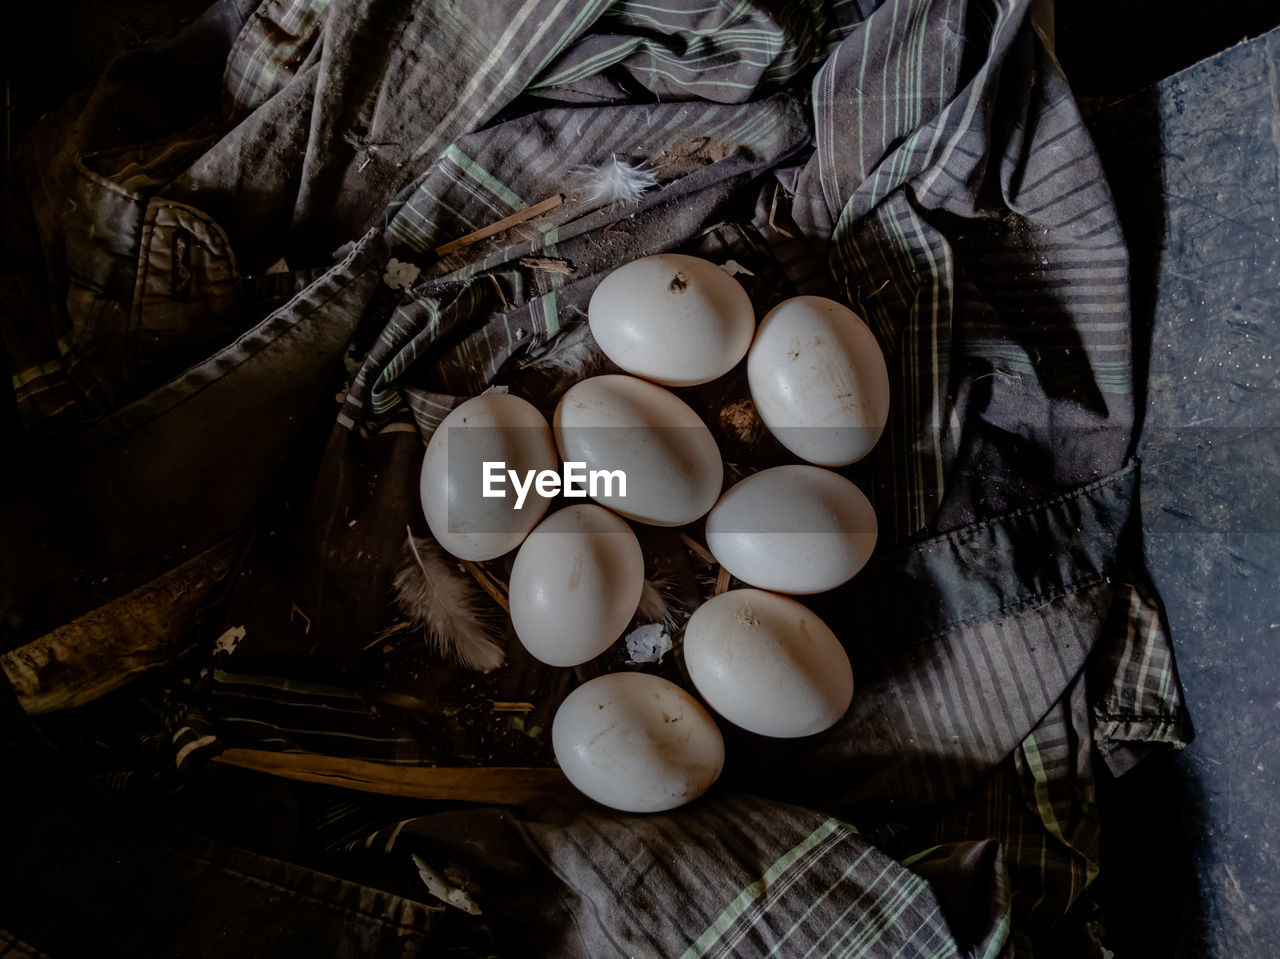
445,605
615,182
654,607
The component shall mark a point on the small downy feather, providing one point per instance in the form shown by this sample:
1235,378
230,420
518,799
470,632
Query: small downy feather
445,605
574,355
654,607
615,182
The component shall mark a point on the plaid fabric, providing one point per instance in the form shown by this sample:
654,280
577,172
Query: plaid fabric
270,48
969,212
770,880
1137,700
932,171
468,187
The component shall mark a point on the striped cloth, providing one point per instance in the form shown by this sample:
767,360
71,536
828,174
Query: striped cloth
730,876
921,159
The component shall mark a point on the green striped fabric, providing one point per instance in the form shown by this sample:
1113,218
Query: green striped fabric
912,194
922,160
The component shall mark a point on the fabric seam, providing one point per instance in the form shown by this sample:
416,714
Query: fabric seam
1018,605
247,334
970,530
310,896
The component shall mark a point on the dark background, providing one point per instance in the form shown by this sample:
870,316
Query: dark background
1191,842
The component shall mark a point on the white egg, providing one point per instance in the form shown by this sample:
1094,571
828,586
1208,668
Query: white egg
793,529
575,584
493,427
819,381
768,664
673,319
668,456
637,743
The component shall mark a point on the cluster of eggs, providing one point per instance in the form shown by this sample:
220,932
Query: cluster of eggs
760,659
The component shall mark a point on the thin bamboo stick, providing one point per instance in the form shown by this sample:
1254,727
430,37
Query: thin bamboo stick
503,785
506,223
490,584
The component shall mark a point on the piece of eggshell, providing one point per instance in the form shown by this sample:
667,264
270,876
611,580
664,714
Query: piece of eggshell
490,427
793,529
670,459
768,664
819,381
671,318
575,584
637,743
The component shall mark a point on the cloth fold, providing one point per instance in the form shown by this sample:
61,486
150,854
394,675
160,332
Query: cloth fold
921,159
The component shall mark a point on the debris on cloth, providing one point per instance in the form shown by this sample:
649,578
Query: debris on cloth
446,892
648,643
226,644
399,275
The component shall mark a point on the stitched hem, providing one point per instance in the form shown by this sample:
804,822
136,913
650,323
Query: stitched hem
276,325
999,565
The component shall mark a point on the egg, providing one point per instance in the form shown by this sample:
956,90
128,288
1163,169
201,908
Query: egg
670,461
493,427
575,584
673,319
793,529
636,742
819,381
768,664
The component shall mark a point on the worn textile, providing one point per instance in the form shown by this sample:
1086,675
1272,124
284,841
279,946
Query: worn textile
218,282
88,875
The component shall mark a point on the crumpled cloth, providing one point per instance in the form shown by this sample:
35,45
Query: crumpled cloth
211,269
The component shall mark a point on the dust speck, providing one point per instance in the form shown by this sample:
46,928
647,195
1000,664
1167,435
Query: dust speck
741,420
